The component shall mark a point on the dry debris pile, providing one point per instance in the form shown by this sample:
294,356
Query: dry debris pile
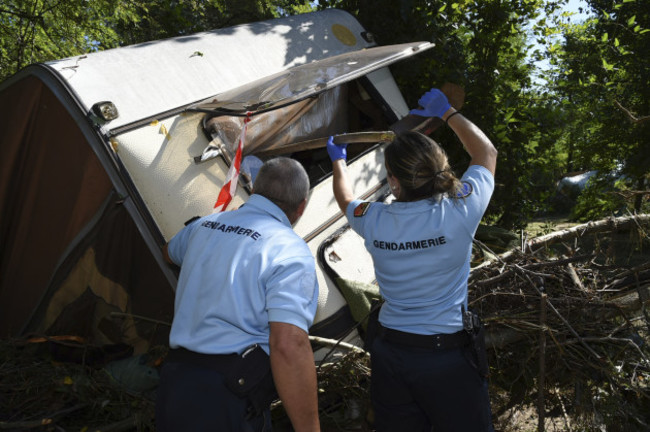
39,393
565,313
568,322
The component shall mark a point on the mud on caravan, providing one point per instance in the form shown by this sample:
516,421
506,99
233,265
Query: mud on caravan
107,155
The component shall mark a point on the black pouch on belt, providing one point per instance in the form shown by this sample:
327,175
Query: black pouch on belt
251,377
478,343
373,323
473,325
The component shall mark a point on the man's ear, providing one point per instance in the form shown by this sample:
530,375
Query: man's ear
301,208
298,213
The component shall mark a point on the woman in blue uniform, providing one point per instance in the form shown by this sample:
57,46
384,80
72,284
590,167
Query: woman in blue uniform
424,366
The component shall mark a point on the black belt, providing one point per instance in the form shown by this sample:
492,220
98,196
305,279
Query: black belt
436,341
219,362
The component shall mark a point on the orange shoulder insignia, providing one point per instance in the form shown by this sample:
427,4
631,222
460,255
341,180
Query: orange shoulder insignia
361,209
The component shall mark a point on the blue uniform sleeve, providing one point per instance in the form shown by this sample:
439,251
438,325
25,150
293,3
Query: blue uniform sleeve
355,213
292,292
178,244
478,186
482,183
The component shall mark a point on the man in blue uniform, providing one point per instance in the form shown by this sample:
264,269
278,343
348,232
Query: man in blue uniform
247,288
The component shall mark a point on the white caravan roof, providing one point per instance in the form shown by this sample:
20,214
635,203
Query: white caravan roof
147,79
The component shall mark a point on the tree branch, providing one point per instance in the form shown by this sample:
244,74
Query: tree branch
631,116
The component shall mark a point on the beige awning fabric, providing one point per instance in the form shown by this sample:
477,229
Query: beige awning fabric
46,166
65,234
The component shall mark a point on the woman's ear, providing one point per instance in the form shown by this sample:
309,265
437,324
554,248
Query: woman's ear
394,185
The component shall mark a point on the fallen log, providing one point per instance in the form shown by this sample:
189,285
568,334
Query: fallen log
605,225
589,228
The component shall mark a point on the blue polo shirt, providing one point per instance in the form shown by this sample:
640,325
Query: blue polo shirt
240,270
421,252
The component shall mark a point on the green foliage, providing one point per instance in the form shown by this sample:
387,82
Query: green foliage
598,201
608,195
34,31
168,18
38,30
601,69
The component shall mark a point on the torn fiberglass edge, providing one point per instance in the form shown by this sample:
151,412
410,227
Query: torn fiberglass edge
307,80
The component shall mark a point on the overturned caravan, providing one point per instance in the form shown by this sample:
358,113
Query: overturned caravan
107,155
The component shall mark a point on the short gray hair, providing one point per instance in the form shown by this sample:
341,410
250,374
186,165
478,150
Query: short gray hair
284,182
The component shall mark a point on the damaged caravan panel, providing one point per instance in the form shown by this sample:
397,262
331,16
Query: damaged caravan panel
125,184
283,113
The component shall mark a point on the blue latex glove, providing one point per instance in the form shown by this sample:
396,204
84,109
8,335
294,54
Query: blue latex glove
434,103
336,151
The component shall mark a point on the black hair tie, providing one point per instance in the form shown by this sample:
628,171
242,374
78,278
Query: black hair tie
450,116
